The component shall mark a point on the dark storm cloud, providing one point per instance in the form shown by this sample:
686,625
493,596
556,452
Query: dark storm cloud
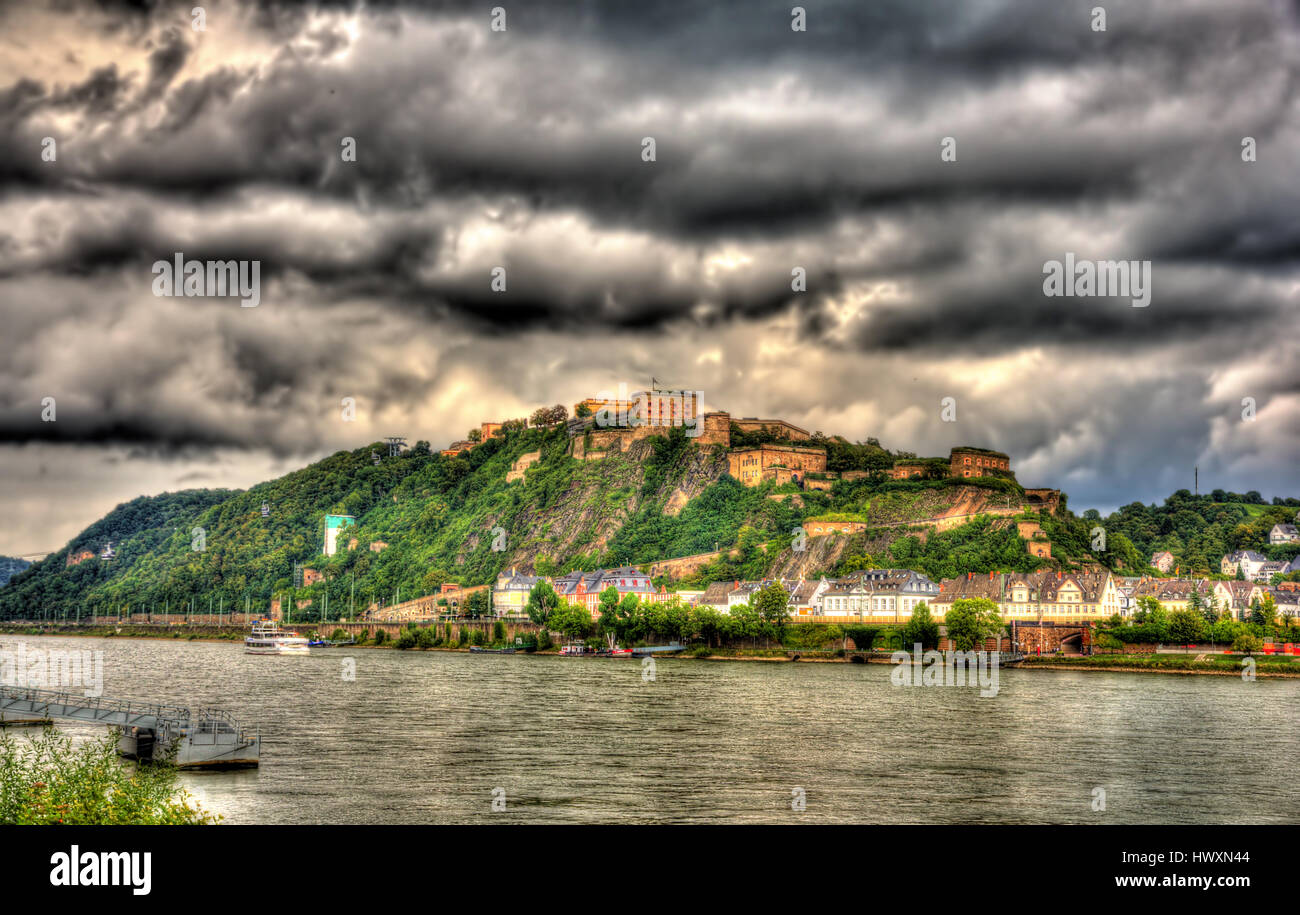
775,150
165,62
741,170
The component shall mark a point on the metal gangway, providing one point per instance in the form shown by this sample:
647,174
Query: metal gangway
197,729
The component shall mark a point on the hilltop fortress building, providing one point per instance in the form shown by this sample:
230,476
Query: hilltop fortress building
790,454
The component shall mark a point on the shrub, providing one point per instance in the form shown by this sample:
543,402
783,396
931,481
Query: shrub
889,639
381,636
1247,643
48,782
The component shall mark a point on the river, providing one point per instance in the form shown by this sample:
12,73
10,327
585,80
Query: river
433,737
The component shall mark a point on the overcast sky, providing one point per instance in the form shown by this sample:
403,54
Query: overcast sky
522,149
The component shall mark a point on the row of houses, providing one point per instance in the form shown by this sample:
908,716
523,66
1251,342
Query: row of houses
878,593
1256,566
510,596
891,595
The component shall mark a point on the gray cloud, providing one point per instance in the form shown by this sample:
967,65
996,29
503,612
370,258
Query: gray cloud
775,150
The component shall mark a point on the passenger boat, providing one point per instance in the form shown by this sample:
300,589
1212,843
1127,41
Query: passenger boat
268,638
475,649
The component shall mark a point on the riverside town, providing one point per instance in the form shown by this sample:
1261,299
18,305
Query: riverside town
619,415
751,538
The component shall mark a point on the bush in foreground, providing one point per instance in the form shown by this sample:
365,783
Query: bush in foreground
46,781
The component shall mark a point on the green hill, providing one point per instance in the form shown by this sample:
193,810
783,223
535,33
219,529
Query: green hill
1199,529
433,519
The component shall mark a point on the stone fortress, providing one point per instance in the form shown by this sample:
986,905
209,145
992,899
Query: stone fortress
604,424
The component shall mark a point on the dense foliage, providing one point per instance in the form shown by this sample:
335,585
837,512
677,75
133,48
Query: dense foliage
48,781
1199,530
422,519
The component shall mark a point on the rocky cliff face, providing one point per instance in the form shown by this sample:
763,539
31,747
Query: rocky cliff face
601,497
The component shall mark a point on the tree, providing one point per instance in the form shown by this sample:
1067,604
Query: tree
474,435
972,620
742,622
772,603
1146,606
1210,612
1263,612
921,628
549,416
570,619
1186,626
608,602
478,604
542,600
617,617
707,621
1225,631
433,580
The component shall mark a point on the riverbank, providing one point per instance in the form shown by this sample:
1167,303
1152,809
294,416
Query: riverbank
132,631
1214,666
1270,667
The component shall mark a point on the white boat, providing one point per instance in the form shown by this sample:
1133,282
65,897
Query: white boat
268,638
212,741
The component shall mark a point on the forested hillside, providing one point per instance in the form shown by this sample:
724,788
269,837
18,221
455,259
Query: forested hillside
423,519
1199,530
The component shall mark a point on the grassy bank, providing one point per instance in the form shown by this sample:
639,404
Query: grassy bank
1220,665
132,631
1214,665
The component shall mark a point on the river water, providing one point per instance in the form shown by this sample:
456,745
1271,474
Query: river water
434,737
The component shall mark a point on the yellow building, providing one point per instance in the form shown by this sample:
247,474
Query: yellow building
1061,597
510,596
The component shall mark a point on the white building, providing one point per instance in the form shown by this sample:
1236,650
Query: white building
1283,533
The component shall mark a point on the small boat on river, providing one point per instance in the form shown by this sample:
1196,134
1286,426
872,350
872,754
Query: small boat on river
268,638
